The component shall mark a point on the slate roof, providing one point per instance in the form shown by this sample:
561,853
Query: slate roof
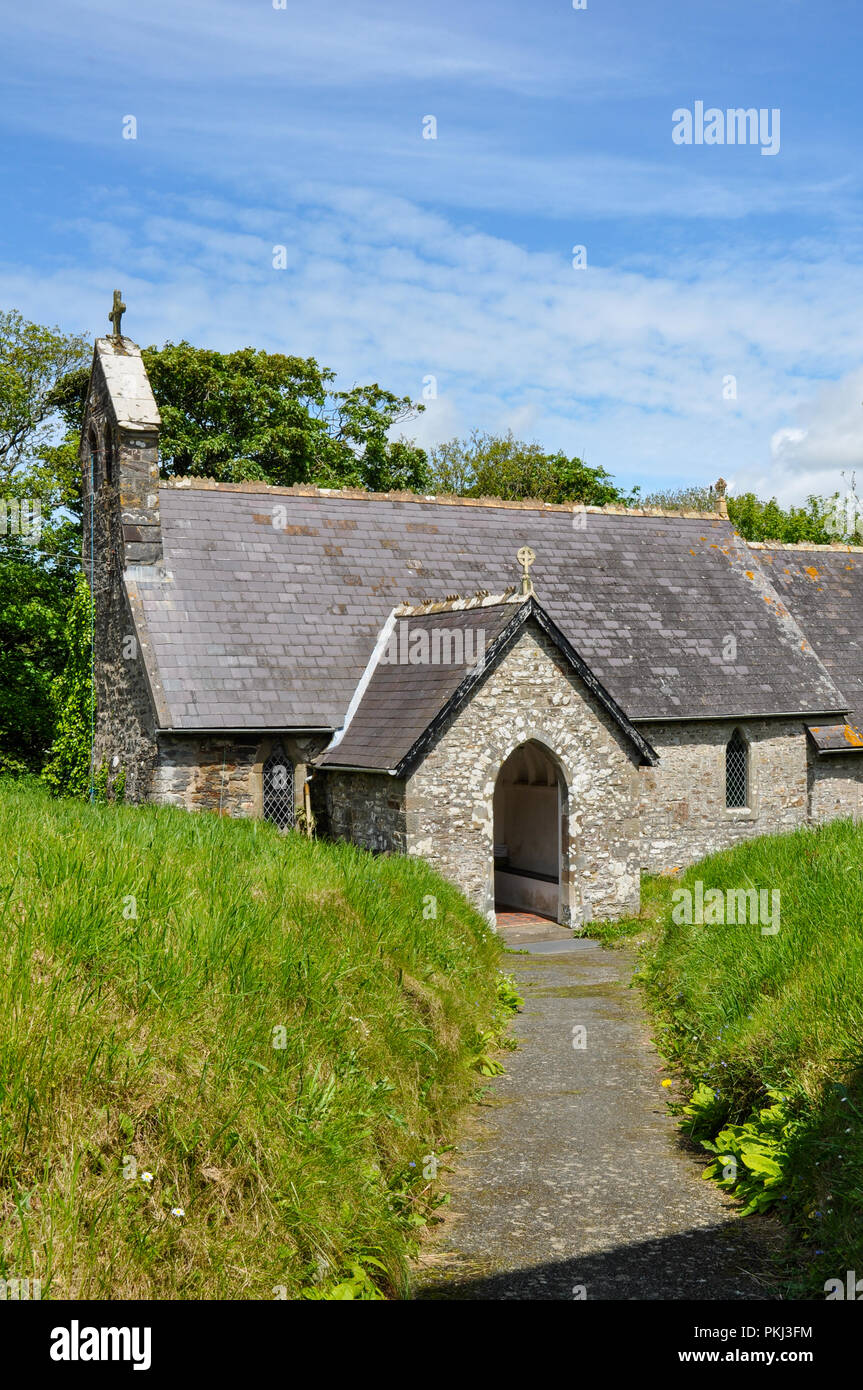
262,628
404,702
823,588
838,738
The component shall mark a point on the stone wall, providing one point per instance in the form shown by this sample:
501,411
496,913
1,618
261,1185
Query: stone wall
835,786
117,466
682,802
532,695
223,773
367,808
125,734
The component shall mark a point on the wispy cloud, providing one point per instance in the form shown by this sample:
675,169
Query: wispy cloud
628,365
409,258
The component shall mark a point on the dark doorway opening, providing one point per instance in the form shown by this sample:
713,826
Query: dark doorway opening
528,803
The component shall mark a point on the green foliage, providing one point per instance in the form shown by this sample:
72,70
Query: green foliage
12,767
358,1285
690,499
487,465
767,521
749,1018
751,1158
487,1041
755,520
508,997
257,1030
37,569
482,1047
706,1111
34,603
33,359
100,784
68,770
260,415
119,787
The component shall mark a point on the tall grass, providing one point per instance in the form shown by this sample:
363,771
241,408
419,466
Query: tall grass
201,1016
744,1013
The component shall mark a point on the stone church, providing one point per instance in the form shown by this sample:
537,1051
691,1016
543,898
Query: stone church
540,700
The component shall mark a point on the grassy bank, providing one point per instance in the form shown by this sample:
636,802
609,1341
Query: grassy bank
226,1056
767,1032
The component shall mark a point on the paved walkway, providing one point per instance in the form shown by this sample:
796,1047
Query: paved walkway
571,1175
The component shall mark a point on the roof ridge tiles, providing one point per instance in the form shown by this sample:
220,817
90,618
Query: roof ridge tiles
836,547
442,499
459,604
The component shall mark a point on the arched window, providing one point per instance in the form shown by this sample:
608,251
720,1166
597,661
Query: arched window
736,772
109,458
278,778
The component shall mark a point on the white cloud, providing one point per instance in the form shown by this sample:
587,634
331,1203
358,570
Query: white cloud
812,455
624,365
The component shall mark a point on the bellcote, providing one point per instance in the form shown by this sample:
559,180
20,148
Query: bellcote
120,449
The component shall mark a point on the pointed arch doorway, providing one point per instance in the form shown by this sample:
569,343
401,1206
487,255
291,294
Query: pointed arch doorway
530,833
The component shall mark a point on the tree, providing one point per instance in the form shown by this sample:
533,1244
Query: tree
33,360
68,770
767,521
818,522
39,536
34,599
690,499
262,415
489,465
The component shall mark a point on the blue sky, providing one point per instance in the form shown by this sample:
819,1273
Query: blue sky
410,258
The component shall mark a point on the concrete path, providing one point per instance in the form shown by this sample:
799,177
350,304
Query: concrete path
571,1180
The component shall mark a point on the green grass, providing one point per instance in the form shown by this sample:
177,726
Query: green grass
149,960
618,932
748,1014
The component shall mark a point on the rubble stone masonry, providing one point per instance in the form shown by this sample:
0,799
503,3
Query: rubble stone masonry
444,810
682,807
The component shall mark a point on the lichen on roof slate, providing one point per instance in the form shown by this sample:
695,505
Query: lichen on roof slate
823,588
263,626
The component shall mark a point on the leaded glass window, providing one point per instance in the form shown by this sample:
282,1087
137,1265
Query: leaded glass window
278,775
736,772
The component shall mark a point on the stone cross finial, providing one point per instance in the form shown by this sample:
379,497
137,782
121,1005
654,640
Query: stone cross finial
526,558
117,313
719,488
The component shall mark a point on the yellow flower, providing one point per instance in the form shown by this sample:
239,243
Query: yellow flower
666,1082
